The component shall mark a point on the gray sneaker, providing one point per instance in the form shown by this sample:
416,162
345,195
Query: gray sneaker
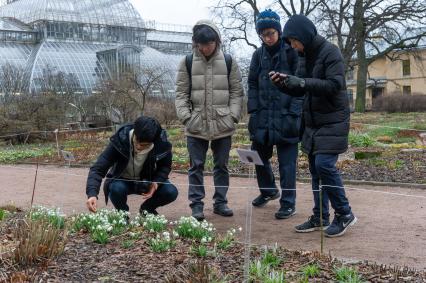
197,212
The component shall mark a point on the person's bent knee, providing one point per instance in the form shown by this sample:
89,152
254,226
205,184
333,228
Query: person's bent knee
117,189
170,192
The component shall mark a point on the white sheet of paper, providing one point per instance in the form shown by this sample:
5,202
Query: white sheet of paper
249,156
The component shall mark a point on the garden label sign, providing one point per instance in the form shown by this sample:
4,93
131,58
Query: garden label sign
248,156
68,156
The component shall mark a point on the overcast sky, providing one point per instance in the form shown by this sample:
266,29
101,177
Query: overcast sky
183,12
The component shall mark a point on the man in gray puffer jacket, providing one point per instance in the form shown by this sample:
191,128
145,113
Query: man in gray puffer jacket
209,97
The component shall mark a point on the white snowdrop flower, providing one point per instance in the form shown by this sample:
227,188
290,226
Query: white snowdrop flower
203,240
240,229
152,231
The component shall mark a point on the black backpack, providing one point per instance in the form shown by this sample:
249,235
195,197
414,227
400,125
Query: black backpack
188,62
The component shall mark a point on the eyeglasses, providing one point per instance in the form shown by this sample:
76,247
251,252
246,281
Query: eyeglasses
268,35
206,45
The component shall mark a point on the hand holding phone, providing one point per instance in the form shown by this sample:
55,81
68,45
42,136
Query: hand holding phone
277,78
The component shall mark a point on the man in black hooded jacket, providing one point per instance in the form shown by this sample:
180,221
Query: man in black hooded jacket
137,160
321,79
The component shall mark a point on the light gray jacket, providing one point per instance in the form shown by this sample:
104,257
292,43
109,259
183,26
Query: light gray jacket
212,107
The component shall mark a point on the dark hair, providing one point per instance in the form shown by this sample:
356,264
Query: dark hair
146,129
204,34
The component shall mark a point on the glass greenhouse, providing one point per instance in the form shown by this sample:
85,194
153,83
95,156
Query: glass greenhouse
91,39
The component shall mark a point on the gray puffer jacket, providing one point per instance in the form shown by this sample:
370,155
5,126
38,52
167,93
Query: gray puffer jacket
212,107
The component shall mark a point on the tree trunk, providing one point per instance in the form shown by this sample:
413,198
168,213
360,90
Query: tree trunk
361,79
361,82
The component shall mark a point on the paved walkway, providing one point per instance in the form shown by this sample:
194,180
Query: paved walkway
391,228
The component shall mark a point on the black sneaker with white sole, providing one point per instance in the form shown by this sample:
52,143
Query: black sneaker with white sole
285,212
262,200
313,224
340,224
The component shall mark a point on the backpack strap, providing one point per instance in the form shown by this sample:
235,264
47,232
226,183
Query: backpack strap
188,63
228,61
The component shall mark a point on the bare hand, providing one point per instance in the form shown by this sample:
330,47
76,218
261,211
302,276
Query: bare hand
91,204
277,78
152,188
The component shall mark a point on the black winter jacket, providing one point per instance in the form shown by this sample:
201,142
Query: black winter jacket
274,118
326,107
114,159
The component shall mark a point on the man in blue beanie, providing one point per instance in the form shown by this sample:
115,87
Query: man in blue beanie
274,118
321,79
137,160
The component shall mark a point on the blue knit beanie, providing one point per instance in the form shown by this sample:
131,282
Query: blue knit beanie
268,19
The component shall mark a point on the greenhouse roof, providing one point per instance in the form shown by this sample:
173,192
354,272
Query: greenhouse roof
102,12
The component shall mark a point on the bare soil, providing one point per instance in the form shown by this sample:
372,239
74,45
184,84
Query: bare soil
390,230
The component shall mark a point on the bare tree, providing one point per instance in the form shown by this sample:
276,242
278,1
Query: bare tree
236,18
364,30
11,80
126,98
369,29
112,97
145,81
11,85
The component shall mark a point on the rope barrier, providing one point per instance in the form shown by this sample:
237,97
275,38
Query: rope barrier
213,186
181,127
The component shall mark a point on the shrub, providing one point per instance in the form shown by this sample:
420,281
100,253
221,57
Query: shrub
347,275
3,214
196,271
102,224
53,216
400,103
360,140
200,250
38,239
162,242
227,240
311,270
152,223
189,227
14,155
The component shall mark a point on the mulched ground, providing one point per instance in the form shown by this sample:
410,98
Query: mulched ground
391,166
84,260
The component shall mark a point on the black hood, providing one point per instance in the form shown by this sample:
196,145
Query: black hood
301,28
121,140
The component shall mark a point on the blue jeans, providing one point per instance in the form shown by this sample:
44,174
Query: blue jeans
323,171
120,189
197,149
287,156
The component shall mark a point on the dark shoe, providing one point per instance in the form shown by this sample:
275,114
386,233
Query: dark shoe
285,212
197,213
223,210
340,224
144,210
313,224
262,200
